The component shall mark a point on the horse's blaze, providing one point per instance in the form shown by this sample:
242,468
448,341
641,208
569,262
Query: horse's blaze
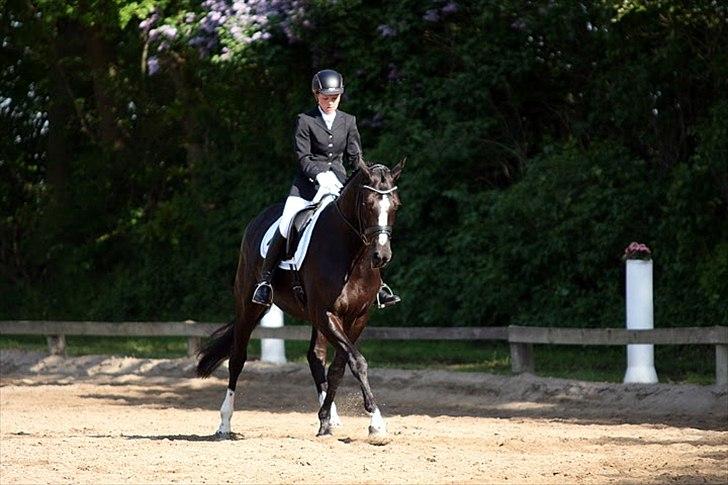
384,205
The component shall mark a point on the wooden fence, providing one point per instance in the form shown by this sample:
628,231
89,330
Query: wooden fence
521,339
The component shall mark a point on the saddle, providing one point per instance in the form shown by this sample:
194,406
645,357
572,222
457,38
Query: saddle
299,224
299,236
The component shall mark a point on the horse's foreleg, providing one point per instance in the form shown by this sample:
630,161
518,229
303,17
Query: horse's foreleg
327,410
359,367
317,363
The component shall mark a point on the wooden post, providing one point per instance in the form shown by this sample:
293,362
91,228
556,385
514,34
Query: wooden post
193,345
721,365
522,358
57,344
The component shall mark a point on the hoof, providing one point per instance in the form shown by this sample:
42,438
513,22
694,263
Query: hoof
222,435
378,438
324,431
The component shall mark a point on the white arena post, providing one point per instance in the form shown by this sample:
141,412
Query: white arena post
640,358
272,349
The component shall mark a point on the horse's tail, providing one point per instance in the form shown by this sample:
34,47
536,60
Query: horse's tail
216,350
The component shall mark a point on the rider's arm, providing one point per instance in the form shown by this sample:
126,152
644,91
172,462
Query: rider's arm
309,163
353,142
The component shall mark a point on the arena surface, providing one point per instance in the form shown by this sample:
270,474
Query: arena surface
102,419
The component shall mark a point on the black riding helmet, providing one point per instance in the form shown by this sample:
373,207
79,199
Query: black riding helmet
327,82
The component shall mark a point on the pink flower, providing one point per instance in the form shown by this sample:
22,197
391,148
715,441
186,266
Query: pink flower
637,250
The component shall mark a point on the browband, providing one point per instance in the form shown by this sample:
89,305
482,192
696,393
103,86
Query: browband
388,191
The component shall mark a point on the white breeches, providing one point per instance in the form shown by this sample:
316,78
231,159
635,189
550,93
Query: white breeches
293,205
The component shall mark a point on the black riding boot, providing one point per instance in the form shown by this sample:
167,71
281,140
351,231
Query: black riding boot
263,294
386,296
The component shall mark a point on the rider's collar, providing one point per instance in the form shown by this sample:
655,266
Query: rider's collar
326,117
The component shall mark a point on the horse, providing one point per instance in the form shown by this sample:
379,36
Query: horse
350,243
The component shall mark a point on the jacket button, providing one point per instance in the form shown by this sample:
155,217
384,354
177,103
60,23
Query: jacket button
331,136
330,145
331,154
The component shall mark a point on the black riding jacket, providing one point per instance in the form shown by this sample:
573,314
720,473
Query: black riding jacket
319,149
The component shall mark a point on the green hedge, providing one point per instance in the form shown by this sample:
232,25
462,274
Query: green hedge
541,140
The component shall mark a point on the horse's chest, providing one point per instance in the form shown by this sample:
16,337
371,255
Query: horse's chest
359,292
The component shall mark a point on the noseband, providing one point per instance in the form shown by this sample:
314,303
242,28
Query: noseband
368,234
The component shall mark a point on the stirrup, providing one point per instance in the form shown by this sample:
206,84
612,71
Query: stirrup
394,299
260,301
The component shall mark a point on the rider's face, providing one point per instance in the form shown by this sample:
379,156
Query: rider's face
328,102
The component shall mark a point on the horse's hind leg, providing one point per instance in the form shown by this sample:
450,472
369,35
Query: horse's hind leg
317,362
248,317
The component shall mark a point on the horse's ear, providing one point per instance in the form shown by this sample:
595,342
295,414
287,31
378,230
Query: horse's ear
397,170
361,164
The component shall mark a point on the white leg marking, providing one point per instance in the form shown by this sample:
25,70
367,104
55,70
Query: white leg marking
335,420
226,412
377,425
384,205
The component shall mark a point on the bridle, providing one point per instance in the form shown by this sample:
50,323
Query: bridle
368,234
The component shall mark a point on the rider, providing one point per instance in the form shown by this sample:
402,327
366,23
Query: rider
323,136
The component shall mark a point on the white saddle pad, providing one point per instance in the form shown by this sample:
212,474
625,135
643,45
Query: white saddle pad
303,241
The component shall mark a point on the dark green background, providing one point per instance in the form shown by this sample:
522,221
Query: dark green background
542,138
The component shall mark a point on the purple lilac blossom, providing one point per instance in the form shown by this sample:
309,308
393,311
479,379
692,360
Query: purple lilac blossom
450,7
146,25
385,30
167,31
152,65
244,22
431,16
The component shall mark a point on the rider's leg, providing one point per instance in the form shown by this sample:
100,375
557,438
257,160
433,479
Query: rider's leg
386,296
263,294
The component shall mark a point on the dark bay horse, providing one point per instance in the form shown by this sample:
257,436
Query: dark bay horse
341,278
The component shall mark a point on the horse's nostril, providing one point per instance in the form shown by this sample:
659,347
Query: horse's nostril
379,260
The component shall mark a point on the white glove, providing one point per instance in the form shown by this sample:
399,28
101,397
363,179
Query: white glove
329,182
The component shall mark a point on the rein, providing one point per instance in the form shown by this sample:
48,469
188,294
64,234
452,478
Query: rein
368,235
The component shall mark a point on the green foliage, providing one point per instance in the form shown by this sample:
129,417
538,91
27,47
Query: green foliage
560,232
541,140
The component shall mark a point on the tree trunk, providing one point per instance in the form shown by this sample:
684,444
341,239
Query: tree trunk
102,73
60,129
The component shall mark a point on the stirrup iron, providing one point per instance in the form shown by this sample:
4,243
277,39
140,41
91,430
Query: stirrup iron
261,302
395,298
